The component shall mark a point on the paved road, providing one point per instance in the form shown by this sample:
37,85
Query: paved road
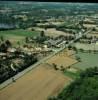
9,81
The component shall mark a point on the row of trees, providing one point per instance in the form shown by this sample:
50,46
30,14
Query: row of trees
5,45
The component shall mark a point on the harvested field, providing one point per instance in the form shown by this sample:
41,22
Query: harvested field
38,84
64,59
89,25
93,34
92,46
52,32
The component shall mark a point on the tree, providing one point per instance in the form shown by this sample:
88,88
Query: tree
27,39
18,43
69,47
62,68
78,58
55,66
42,34
75,49
3,47
81,50
2,38
83,88
8,43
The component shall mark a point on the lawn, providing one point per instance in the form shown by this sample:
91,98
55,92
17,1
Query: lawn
87,60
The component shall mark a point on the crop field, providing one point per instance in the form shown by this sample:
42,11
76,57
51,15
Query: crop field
52,32
87,60
92,46
63,58
19,32
39,84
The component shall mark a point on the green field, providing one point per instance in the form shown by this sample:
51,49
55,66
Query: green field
19,32
71,74
17,35
87,60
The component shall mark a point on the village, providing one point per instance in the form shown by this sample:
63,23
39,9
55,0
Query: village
43,49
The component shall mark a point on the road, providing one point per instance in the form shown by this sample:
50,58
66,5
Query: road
9,81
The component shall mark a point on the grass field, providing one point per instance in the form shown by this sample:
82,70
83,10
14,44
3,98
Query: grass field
87,60
71,74
17,35
19,32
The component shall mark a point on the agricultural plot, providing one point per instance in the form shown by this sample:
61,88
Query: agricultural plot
39,84
92,46
52,32
19,32
87,60
63,58
17,35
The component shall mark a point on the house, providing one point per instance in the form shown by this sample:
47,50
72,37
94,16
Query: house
53,42
11,50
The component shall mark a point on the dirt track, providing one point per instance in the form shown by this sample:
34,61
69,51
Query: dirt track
38,84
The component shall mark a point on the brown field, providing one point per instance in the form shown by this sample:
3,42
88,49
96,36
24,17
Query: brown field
64,59
89,25
93,34
38,84
41,82
52,32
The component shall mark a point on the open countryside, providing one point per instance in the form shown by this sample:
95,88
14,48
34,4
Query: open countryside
48,51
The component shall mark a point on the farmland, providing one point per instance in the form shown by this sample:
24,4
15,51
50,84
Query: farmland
17,34
92,46
87,60
39,83
62,59
44,47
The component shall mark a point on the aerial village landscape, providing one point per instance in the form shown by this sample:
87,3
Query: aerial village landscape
48,51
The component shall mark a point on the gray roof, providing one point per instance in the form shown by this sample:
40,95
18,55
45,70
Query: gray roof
54,42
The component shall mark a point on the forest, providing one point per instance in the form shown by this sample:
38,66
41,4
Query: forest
83,88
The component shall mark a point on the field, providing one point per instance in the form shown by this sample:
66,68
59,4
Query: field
17,35
39,84
52,32
87,60
62,59
92,46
